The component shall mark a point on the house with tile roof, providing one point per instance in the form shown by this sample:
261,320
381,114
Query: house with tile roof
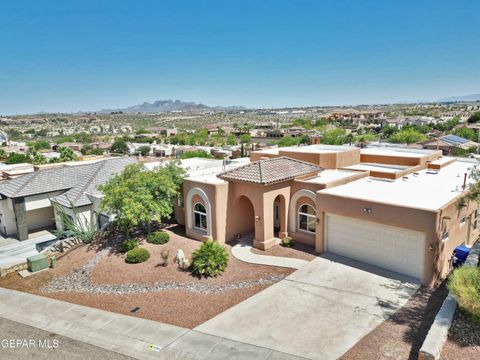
27,202
392,208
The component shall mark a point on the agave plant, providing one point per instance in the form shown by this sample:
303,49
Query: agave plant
76,224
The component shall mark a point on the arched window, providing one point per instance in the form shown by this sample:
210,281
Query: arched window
307,217
200,216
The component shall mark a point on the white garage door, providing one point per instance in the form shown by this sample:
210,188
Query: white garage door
393,248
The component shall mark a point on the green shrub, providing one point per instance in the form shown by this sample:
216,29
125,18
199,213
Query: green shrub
210,259
287,242
127,245
464,283
137,255
158,237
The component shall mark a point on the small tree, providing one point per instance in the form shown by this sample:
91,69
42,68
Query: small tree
144,150
138,197
119,146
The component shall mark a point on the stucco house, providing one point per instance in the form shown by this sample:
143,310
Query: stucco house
26,203
391,208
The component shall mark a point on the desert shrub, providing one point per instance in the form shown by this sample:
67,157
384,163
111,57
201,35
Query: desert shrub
210,259
165,254
137,255
158,237
287,242
464,283
127,245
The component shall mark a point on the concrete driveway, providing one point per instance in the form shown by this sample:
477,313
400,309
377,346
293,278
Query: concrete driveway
319,311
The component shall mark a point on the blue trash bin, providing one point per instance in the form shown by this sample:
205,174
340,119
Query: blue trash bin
461,253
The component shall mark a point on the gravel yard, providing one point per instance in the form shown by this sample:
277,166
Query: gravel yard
463,340
97,276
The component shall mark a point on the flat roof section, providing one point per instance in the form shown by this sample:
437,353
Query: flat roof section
384,168
318,149
429,190
329,175
403,152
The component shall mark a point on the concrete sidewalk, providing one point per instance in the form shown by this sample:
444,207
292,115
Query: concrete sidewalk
127,335
242,251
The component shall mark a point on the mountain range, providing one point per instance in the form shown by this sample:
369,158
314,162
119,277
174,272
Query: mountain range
472,97
169,105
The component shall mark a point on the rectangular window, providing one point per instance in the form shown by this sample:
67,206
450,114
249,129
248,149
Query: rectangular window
475,219
462,221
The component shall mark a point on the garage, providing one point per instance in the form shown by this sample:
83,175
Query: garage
389,247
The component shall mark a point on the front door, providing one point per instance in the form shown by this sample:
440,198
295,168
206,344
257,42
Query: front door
276,216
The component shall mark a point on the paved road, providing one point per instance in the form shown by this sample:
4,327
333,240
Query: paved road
317,312
67,348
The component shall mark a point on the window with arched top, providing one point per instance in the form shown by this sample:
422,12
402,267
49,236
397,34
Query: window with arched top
307,217
200,216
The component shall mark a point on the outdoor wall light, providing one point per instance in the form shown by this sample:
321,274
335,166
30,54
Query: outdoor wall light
367,210
257,218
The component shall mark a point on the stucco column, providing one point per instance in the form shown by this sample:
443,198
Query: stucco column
21,218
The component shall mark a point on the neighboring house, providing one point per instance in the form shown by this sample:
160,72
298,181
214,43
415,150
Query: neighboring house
390,208
448,143
26,202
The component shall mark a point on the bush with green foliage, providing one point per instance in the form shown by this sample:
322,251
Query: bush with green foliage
210,259
287,242
407,136
127,245
17,158
464,283
474,118
137,255
158,237
196,154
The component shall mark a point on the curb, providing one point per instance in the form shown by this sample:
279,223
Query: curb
438,333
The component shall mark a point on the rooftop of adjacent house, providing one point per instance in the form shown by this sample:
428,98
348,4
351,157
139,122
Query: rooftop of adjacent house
270,171
77,181
429,190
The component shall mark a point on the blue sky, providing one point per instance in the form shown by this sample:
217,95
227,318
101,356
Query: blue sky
87,55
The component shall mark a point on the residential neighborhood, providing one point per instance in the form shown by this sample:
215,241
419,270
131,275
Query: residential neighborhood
267,180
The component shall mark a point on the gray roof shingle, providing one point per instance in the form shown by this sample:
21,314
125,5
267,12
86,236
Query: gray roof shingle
270,171
76,181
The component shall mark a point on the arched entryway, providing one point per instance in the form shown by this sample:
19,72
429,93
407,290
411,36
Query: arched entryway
241,219
279,217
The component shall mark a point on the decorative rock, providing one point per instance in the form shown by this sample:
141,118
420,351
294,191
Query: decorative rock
79,281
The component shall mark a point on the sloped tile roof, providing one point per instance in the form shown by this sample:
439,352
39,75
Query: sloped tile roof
270,171
76,181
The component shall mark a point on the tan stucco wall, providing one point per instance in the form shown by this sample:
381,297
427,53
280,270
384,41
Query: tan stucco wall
331,160
399,159
457,232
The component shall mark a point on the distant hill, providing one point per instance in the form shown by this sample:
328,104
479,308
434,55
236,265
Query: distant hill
473,97
169,105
